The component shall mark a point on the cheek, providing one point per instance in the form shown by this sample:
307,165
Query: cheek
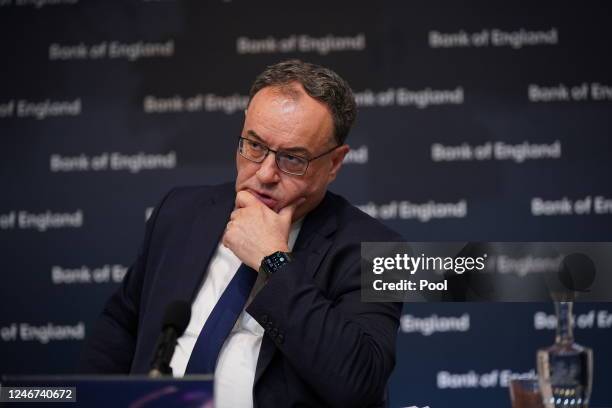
294,188
245,169
306,187
239,166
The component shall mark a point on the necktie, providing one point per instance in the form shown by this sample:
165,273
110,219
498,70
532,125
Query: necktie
220,322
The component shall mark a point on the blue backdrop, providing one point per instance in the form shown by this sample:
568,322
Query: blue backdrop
486,121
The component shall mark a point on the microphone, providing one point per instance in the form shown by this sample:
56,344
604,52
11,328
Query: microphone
176,319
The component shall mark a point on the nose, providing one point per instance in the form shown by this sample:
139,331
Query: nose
268,170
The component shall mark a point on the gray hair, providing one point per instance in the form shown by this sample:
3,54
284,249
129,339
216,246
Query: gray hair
320,83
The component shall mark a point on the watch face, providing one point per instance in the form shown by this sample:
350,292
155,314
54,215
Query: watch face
275,261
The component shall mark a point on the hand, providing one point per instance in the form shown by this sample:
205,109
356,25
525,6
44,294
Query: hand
255,231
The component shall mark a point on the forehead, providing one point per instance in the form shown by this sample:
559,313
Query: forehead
286,118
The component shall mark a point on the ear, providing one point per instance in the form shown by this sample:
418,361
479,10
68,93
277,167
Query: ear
337,157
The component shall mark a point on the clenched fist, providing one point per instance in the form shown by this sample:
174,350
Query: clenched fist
255,231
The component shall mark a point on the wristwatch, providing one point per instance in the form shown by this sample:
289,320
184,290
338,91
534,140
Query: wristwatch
274,262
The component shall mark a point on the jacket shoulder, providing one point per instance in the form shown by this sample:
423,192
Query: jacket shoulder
197,194
186,197
360,226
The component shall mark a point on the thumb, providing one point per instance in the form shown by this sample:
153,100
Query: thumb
288,211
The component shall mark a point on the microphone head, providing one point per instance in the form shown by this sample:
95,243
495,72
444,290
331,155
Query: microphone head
177,316
577,272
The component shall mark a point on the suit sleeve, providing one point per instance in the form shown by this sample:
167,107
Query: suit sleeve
342,347
109,347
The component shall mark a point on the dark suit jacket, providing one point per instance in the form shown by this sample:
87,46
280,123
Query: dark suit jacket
322,345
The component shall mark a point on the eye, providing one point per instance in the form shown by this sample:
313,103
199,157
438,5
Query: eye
292,163
292,159
254,145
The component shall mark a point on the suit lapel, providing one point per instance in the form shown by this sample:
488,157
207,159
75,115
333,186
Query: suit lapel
204,237
184,266
312,239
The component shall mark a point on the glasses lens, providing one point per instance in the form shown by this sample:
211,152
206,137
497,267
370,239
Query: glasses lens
252,150
291,164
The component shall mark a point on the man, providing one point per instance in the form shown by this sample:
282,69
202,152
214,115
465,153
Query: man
303,337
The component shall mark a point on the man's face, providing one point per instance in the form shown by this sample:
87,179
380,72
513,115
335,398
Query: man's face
302,126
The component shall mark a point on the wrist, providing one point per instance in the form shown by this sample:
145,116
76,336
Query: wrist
270,251
273,262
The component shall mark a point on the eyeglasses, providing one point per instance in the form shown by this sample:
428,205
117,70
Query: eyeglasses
287,163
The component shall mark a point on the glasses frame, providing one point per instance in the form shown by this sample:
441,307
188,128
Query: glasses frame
268,150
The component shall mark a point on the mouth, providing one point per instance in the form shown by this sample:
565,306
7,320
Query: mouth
268,200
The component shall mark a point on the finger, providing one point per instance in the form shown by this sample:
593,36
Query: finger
227,235
288,211
245,199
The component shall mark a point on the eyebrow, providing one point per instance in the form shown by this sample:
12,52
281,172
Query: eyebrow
296,149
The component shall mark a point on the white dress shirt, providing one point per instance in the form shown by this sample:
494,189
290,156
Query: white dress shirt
235,370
